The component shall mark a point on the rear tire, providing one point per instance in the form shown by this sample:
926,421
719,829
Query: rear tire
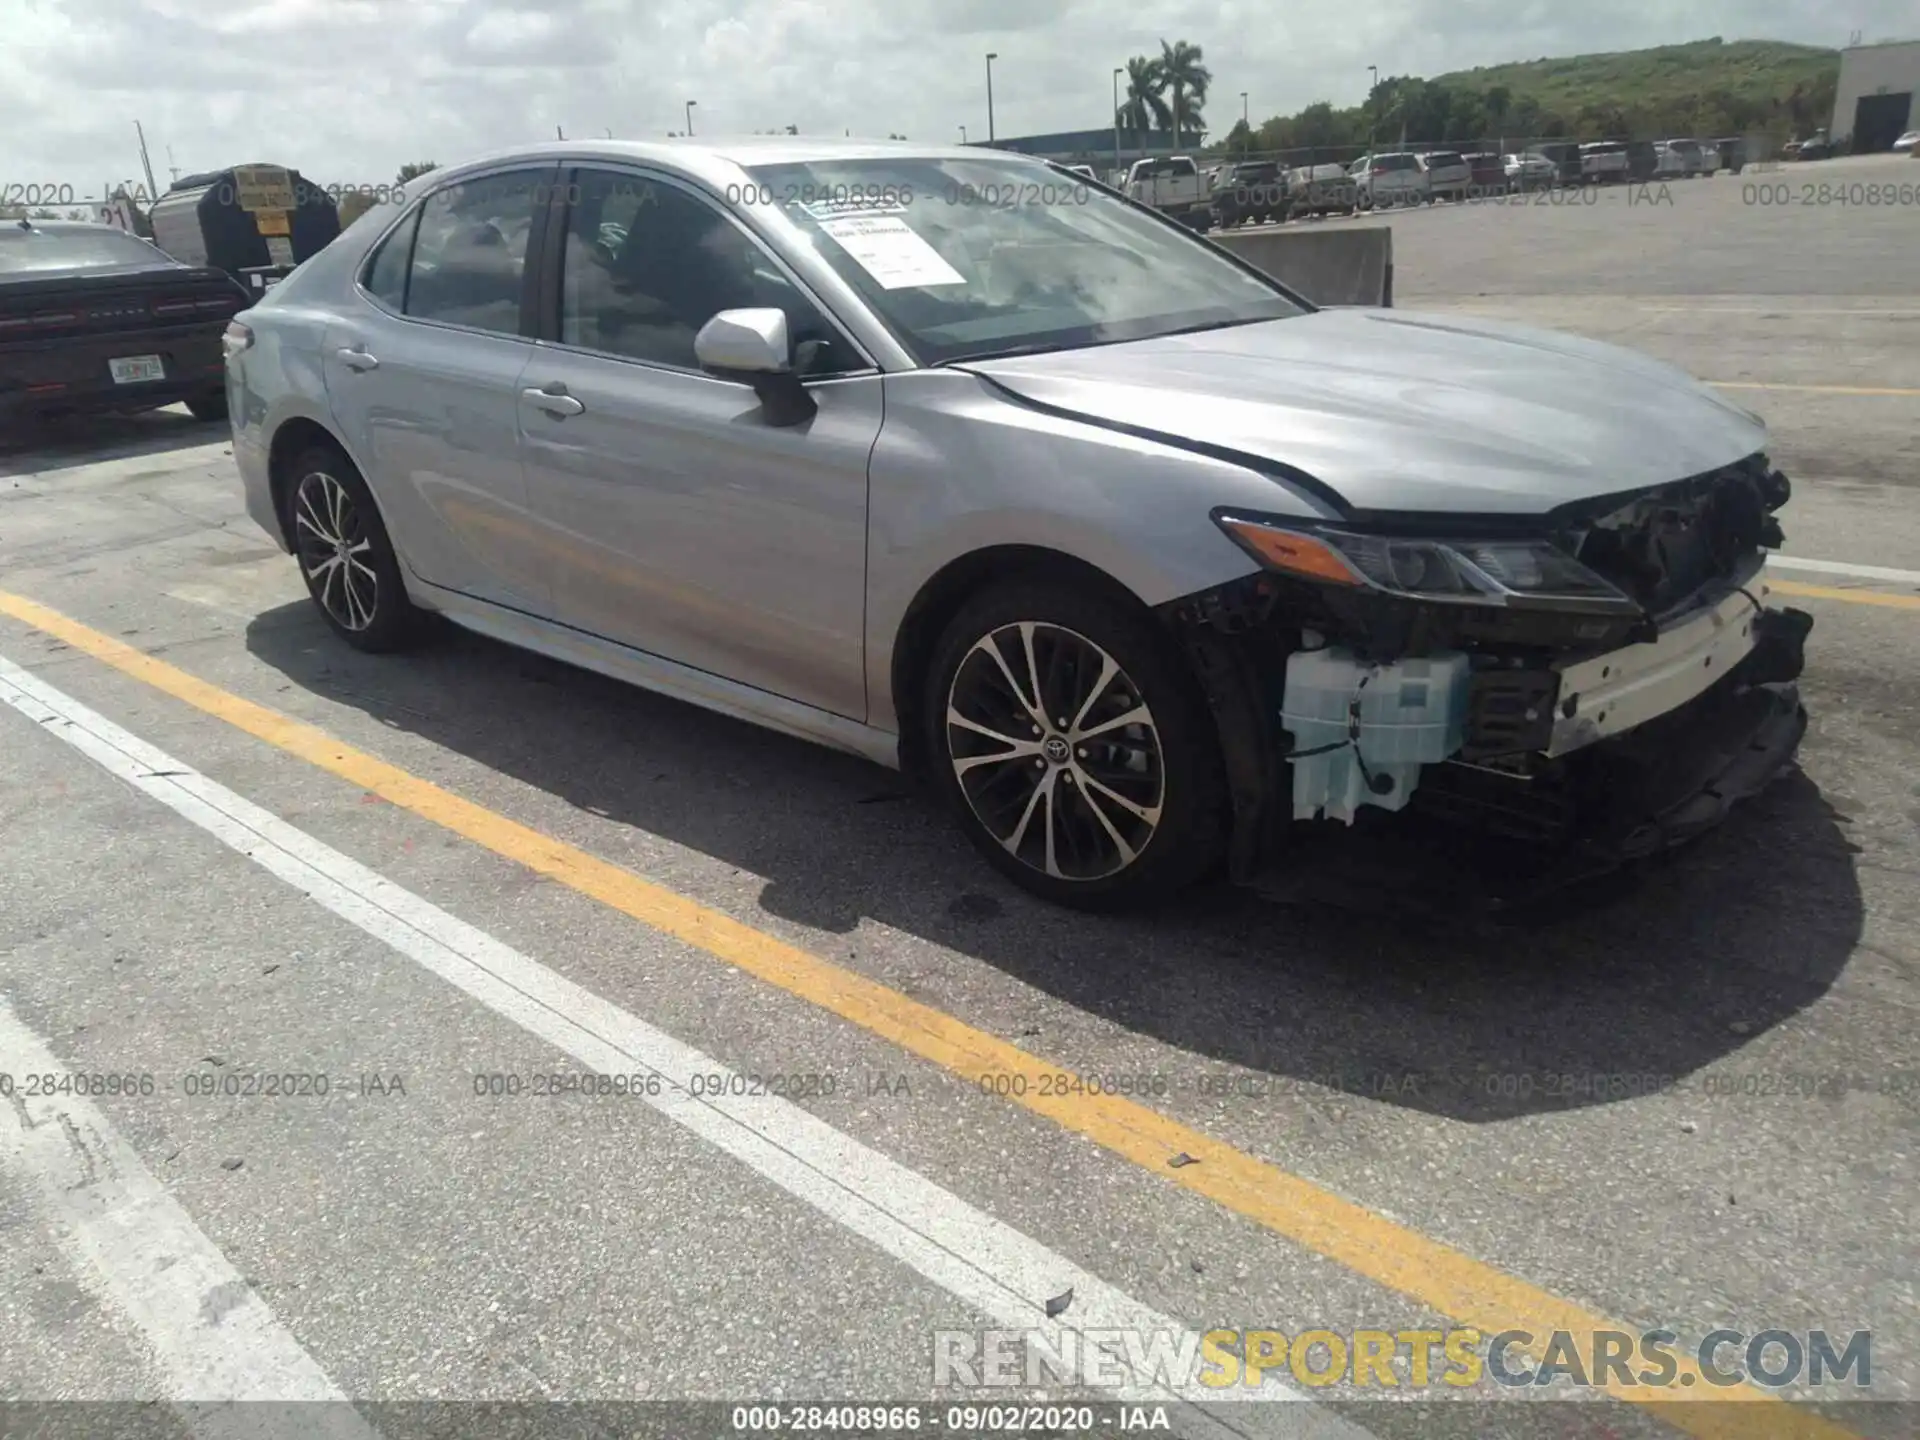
345,556
1026,711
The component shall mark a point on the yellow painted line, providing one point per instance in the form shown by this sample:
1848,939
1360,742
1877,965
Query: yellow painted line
1811,389
1434,1274
1852,597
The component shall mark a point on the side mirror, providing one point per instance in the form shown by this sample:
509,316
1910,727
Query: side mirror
752,346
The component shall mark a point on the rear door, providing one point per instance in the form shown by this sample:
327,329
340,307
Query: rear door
423,378
683,523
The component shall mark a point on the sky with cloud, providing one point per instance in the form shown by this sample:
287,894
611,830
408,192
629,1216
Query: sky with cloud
347,90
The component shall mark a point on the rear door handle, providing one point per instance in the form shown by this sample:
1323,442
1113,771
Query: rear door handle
357,359
556,403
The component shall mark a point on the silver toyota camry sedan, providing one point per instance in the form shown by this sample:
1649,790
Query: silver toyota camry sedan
951,459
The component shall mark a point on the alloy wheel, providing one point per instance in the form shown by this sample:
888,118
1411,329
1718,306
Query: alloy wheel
331,538
1055,750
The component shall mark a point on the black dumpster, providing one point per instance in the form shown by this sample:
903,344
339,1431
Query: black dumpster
249,218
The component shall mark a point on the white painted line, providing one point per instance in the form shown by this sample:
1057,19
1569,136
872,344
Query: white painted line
212,1338
990,1266
1841,567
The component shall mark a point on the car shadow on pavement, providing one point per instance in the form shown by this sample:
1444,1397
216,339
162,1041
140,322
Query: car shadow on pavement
73,440
1602,996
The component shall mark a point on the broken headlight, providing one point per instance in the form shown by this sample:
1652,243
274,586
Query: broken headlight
1523,572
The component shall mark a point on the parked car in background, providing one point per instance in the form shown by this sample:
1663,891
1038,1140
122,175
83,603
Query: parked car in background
1530,171
1394,178
1488,169
1670,163
1603,162
785,464
1317,190
96,321
1173,185
1908,143
1643,160
1689,158
1250,193
1564,156
1815,147
1448,174
1732,150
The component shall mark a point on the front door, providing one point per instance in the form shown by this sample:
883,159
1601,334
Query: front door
680,520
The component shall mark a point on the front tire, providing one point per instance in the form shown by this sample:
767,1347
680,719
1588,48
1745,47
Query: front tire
1074,748
345,555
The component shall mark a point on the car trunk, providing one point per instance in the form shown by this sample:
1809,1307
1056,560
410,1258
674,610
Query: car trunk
75,303
57,330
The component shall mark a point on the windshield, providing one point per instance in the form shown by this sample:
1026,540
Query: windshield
23,251
964,258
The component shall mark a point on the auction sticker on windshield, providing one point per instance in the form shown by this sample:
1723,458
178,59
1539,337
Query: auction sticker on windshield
890,252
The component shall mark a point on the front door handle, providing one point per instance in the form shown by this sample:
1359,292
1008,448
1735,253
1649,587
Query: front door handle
556,403
357,359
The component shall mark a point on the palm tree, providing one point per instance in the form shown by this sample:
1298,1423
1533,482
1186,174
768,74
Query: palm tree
1143,109
1182,72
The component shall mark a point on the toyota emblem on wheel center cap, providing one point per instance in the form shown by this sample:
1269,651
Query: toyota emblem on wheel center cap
1055,749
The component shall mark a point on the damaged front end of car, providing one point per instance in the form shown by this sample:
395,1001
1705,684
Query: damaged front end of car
1600,682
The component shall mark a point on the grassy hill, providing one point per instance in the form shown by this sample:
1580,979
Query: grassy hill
1705,87
1663,78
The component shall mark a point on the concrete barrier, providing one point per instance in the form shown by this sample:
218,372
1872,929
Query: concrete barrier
1329,264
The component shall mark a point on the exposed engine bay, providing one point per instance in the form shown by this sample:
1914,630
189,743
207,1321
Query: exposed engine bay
1626,702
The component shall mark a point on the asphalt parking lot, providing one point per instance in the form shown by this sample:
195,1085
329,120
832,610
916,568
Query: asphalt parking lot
407,888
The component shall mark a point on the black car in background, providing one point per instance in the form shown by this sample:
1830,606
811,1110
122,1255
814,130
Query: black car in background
1565,156
1251,191
94,320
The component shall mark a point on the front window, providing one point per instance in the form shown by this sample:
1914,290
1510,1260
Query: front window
966,258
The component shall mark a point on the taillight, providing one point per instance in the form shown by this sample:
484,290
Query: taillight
238,337
45,320
1378,170
165,308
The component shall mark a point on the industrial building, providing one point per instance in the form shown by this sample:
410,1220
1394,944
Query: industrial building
1873,102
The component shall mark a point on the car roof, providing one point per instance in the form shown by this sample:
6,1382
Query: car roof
63,227
718,159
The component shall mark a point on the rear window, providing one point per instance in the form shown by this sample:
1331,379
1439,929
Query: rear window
24,251
1398,162
1255,173
1444,157
1604,147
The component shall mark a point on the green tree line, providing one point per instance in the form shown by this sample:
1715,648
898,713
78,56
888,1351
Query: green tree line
1725,100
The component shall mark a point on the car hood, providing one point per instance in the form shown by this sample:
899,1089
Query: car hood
1395,411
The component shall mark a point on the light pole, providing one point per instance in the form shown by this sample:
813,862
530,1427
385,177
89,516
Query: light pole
963,134
991,57
690,105
1246,126
1118,71
1373,116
